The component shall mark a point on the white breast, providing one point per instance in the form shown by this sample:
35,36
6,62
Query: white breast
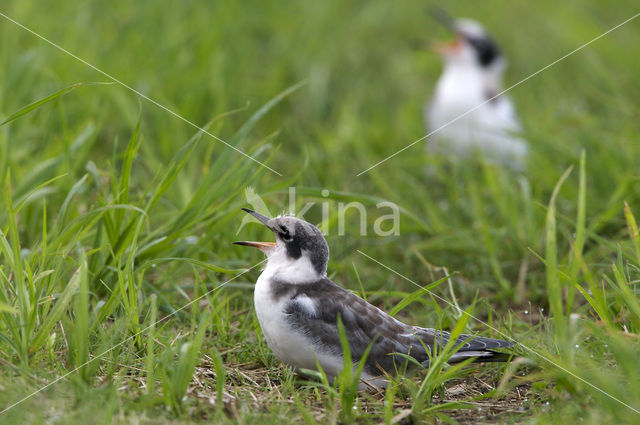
289,345
492,127
287,342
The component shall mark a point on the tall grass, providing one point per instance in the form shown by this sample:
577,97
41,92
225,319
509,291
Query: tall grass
93,268
113,215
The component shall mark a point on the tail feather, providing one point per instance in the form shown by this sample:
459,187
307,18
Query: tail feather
487,356
481,348
470,346
472,343
466,342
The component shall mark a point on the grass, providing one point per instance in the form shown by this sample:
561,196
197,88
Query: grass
117,271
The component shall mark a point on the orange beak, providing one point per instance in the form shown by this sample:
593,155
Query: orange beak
259,245
447,48
450,48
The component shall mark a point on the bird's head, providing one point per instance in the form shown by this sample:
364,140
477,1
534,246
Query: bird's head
472,45
299,245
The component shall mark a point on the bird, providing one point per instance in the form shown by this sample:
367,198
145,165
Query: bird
467,113
298,308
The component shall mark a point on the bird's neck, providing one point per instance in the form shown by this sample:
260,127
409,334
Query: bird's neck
291,270
468,82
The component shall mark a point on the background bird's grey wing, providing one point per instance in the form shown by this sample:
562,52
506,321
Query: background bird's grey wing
507,114
363,323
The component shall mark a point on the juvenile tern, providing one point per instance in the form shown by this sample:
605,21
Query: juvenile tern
298,307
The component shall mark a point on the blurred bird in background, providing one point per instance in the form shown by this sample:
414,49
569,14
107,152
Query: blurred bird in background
464,112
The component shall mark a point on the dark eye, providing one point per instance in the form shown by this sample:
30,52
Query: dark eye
486,50
286,236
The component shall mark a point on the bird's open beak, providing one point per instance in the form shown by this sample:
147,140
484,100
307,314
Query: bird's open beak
264,220
446,48
259,245
440,15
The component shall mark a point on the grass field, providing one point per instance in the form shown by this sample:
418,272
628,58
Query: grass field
119,285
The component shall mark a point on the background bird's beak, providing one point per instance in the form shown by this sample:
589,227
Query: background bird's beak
440,15
264,220
446,48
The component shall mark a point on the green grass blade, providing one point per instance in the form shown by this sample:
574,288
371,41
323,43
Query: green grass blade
58,310
150,363
633,230
554,287
578,244
416,295
81,324
221,380
38,103
125,173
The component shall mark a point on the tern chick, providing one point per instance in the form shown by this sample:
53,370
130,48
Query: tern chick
298,309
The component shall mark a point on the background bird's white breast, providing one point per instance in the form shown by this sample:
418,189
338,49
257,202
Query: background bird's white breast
465,121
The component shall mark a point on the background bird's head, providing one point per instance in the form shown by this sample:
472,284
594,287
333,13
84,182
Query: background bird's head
472,47
299,246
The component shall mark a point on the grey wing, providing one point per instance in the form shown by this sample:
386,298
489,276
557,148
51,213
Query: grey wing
363,323
507,118
507,112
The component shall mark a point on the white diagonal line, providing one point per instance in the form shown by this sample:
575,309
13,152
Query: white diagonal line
577,49
125,340
501,333
128,87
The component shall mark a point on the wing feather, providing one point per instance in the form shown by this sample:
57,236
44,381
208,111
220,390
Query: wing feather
364,323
